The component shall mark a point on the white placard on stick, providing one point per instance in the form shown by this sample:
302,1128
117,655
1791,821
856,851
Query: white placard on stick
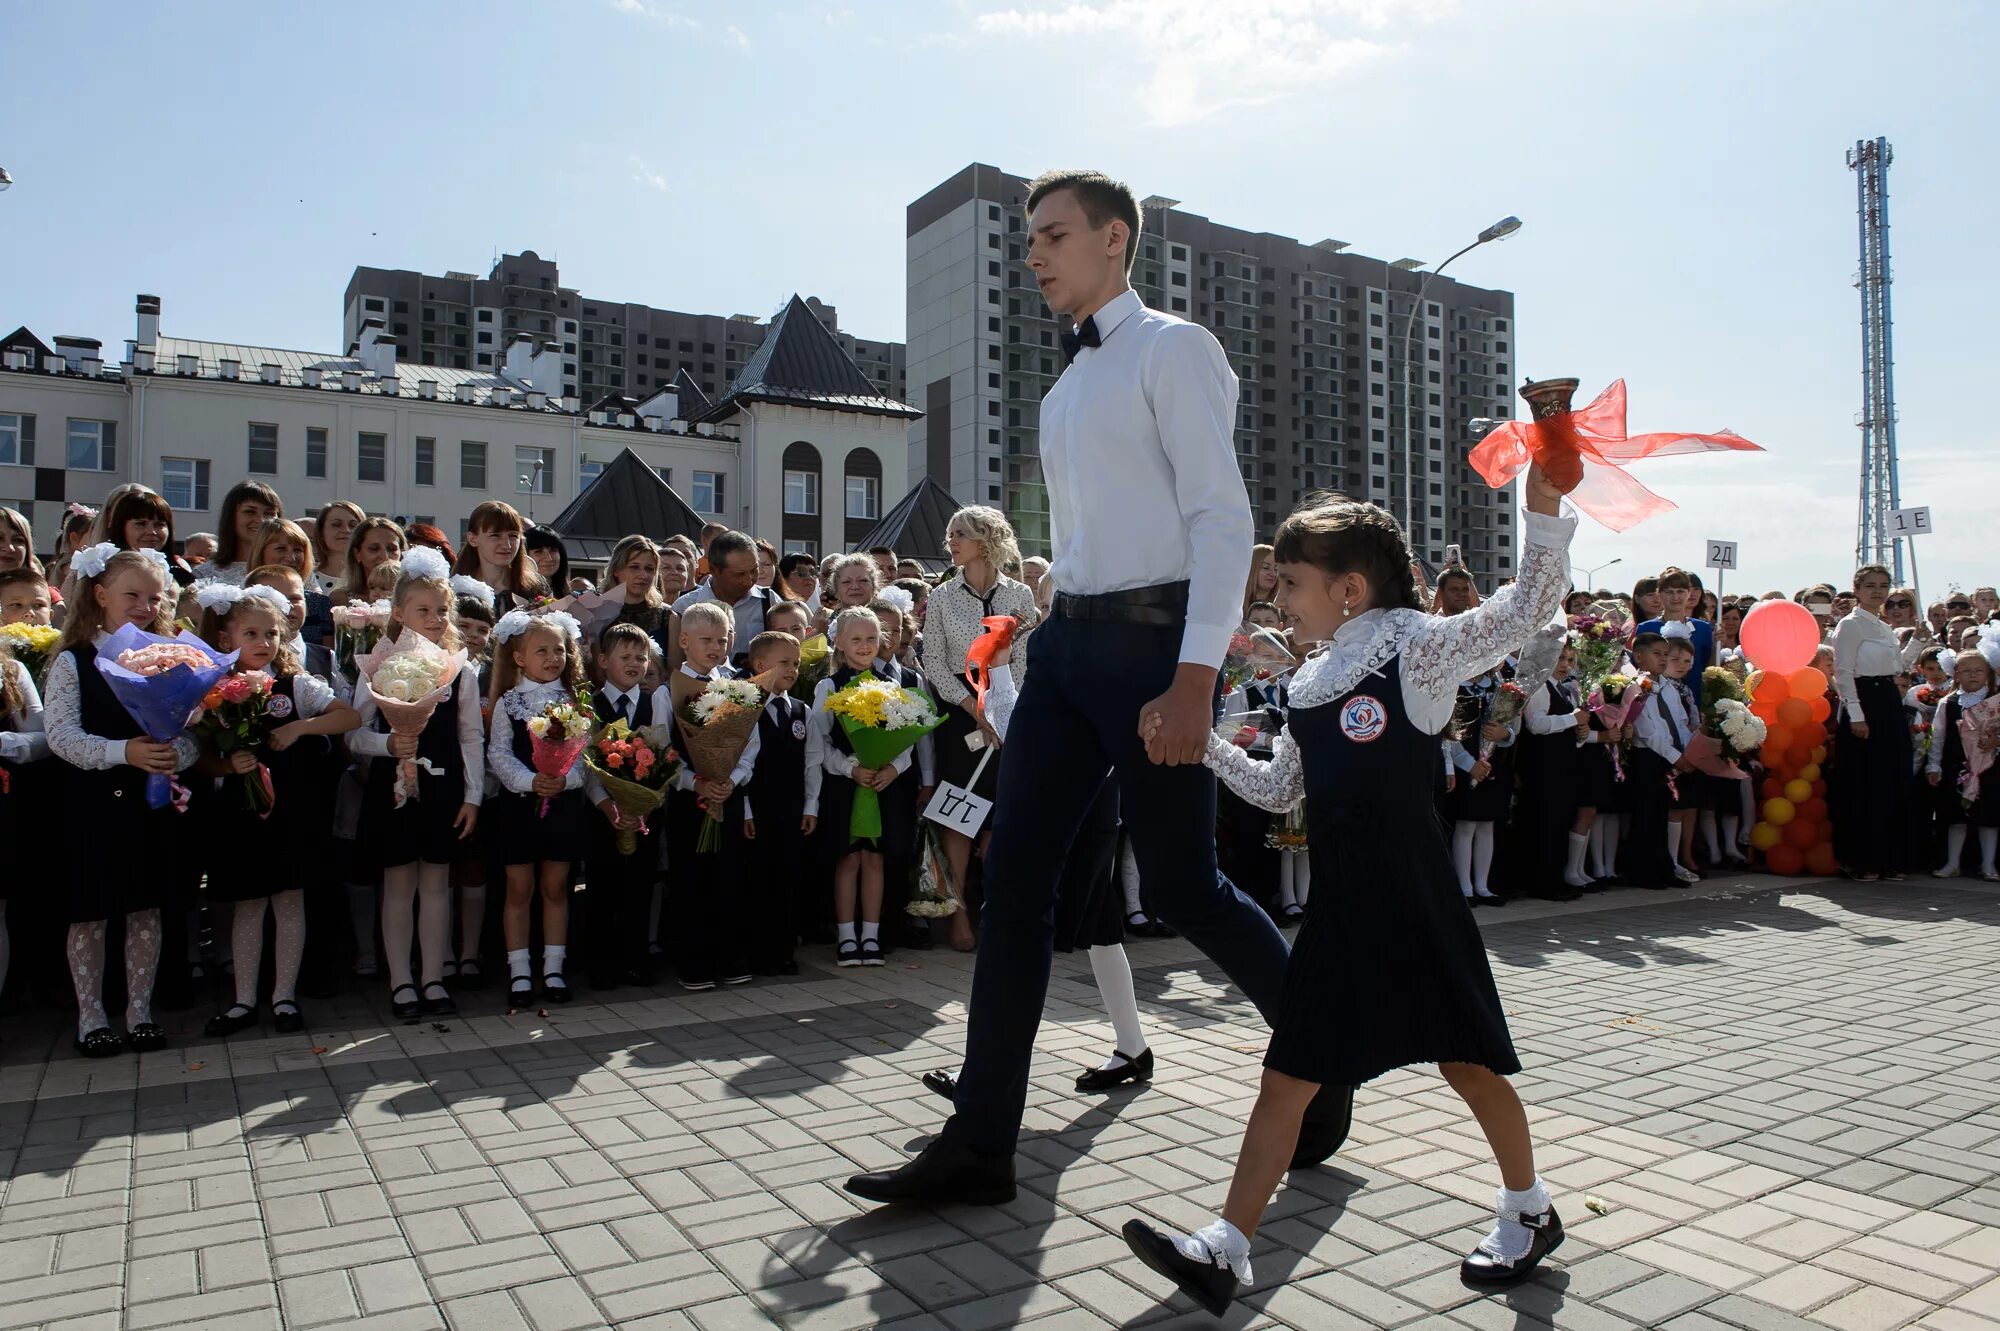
1910,521
958,808
1722,554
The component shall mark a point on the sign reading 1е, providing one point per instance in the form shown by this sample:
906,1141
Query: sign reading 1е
1910,521
1722,554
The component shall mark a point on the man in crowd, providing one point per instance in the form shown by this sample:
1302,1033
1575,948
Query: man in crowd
199,548
732,581
798,578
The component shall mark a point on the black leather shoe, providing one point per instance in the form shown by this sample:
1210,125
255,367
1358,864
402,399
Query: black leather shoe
286,1018
941,1084
944,1172
1325,1126
1483,1268
225,1024
1138,1071
405,1009
1212,1286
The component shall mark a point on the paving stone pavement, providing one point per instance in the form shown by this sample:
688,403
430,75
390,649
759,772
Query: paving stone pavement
1783,1096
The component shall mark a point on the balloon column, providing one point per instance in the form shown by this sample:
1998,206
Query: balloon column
1792,830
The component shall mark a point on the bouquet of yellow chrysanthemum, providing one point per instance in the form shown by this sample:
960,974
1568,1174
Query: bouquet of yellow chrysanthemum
30,644
881,721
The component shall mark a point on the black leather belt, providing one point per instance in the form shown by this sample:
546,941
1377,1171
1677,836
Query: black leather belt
1164,606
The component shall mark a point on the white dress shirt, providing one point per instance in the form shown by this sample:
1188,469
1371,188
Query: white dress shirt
748,612
1649,724
24,740
1139,456
1862,646
663,707
1542,719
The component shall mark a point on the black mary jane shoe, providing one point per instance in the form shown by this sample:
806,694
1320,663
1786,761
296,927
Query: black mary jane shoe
941,1084
555,988
944,1172
1487,899
146,1037
1210,1285
405,1009
225,1024
286,1017
1137,1071
520,992
1324,1128
441,1003
1483,1268
100,1043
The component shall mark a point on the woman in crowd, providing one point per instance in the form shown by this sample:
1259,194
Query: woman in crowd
496,554
550,556
332,535
245,510
1263,581
376,541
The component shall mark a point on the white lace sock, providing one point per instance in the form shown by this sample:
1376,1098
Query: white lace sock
1461,857
1954,847
434,919
1113,970
288,909
1482,858
553,957
361,912
142,965
1706,822
1285,872
399,903
1989,844
520,964
471,919
1509,1238
86,972
1219,1244
246,945
1128,878
1302,878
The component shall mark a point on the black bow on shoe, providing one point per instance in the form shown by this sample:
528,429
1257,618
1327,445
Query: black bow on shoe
1084,336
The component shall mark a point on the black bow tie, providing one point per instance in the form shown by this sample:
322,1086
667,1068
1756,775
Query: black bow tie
1084,336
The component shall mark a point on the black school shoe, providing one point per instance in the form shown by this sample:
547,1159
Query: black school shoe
441,1003
146,1037
405,1009
1208,1284
1483,1268
286,1017
943,1173
225,1024
1138,1071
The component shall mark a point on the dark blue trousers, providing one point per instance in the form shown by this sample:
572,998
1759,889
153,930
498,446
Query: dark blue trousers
1076,720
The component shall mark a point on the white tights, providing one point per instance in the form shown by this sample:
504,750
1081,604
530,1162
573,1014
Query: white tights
1472,856
1128,875
471,919
1954,846
1604,835
142,965
246,945
1295,876
426,887
1113,971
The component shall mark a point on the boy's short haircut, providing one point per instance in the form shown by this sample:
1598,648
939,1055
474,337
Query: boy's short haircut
770,640
22,576
1272,606
1673,577
1925,657
707,612
1645,640
616,633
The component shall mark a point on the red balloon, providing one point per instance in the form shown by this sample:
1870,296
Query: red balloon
1777,739
1820,860
1783,859
1813,810
1794,712
1821,710
1774,787
1819,789
1806,683
1779,636
1800,834
1769,686
1797,756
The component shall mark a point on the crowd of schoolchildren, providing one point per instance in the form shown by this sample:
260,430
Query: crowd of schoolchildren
266,902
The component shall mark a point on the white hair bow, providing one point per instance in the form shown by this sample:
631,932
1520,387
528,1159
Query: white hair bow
217,597
1677,628
420,561
512,624
90,562
897,597
467,585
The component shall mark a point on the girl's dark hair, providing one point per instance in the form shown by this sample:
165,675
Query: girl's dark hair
1338,535
548,538
134,504
1644,587
227,550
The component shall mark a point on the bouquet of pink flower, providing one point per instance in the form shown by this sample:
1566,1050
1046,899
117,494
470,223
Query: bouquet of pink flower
236,715
1254,654
357,627
409,677
161,682
1979,732
1613,701
557,738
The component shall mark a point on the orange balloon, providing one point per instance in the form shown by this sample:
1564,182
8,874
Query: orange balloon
1786,860
1821,710
1765,684
1820,860
1794,712
1806,683
1800,834
1814,809
1819,754
1776,740
1798,756
1765,707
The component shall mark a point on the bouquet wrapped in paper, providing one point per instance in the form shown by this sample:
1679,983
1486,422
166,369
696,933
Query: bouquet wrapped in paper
1254,655
409,678
882,721
236,715
1504,710
30,644
635,767
1728,720
161,682
1613,700
1979,732
935,897
815,660
717,718
557,738
357,628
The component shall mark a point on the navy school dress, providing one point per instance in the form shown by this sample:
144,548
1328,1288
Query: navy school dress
521,832
1550,767
249,857
836,802
1950,805
1488,800
1389,968
422,828
107,811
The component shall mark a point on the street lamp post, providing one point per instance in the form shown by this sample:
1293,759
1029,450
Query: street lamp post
531,484
1590,574
1506,226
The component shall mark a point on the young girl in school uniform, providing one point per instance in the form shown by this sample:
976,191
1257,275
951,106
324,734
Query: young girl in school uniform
415,845
1483,763
856,636
258,859
893,607
473,617
23,745
121,841
541,829
1973,675
1361,745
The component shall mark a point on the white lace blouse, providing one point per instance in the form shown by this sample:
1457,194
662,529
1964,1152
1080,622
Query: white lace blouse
68,740
518,706
24,740
368,742
1436,653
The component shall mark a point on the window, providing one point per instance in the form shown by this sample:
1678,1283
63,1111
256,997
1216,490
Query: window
486,316
316,451
372,305
810,548
263,451
587,470
706,494
93,445
534,470
471,465
371,457
184,483
864,496
426,461
802,492
17,440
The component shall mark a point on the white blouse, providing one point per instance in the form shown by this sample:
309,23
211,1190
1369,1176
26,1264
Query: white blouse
68,740
1435,652
1862,646
951,623
518,706
368,742
1935,761
1541,719
24,740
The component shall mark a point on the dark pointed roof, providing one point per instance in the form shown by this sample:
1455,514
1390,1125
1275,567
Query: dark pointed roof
915,527
801,364
614,403
627,498
23,338
694,402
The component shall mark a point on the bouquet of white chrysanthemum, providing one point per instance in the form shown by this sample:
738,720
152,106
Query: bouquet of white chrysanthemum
721,694
1740,729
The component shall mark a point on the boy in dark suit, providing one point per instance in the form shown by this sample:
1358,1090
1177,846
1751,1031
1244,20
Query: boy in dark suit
779,808
620,894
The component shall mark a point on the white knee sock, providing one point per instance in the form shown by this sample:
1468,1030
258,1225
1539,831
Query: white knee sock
1614,828
1706,822
1674,844
288,911
1730,823
1128,877
1989,843
1461,857
399,903
1579,845
434,919
1509,1238
1482,858
246,945
1595,837
1302,879
1113,970
1954,847
1285,872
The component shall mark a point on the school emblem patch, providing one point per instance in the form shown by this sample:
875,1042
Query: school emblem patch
1362,719
798,729
278,705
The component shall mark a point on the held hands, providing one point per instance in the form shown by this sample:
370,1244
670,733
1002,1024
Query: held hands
1933,777
467,820
243,761
148,756
403,747
1480,770
1175,725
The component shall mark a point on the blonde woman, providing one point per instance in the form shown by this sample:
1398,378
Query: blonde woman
377,541
634,566
1263,583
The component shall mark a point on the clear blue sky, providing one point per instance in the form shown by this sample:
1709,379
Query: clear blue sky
1689,220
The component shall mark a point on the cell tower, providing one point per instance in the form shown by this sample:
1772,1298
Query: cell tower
1874,543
